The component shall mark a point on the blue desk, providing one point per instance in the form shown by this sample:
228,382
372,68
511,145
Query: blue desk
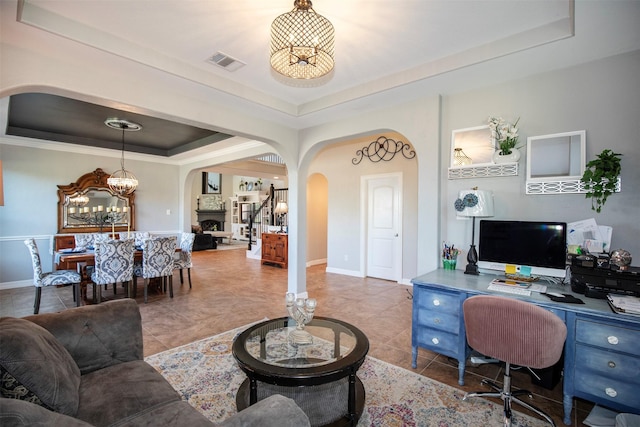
601,355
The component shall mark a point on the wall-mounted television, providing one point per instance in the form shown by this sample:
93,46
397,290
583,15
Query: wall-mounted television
542,246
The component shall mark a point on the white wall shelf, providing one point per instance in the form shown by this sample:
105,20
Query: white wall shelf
484,171
562,187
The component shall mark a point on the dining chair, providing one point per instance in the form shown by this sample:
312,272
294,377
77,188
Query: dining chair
83,240
184,256
157,262
88,240
138,236
59,277
517,333
113,264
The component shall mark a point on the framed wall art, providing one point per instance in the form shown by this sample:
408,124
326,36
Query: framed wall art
211,183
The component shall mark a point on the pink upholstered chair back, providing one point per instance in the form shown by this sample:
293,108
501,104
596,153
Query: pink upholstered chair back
514,331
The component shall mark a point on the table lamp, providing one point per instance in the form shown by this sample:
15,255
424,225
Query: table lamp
475,204
280,210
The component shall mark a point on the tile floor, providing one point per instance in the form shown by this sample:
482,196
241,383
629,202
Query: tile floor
230,290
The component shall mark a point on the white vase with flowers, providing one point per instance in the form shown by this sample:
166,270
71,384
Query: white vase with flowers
506,137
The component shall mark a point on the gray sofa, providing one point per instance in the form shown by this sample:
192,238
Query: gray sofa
84,366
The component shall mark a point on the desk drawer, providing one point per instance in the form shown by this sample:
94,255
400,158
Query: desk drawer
608,363
608,336
610,392
436,301
437,319
436,340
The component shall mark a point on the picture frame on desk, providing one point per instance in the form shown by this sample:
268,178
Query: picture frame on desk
211,183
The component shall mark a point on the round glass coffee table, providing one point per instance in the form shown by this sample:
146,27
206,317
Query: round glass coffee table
320,377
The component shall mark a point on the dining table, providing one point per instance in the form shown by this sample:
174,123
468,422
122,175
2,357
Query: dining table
80,258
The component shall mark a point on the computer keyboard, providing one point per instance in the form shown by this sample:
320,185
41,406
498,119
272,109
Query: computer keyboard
509,289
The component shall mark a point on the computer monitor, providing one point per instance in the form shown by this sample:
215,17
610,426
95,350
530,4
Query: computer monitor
541,246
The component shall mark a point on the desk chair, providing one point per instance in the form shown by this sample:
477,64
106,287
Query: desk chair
184,256
515,332
113,263
59,277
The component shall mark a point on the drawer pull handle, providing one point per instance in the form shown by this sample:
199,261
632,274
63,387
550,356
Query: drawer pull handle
612,339
436,341
436,321
436,302
611,392
611,364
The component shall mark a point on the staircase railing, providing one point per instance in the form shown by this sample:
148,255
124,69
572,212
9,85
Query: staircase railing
263,216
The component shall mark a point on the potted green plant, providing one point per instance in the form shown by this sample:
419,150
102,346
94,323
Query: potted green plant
600,178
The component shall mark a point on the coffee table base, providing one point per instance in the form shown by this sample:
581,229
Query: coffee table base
326,405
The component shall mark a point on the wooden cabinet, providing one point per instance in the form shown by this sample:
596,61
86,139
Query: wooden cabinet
275,248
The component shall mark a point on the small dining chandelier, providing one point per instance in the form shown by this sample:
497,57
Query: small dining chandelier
302,43
122,181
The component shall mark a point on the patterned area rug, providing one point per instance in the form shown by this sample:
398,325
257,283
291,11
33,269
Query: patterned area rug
206,375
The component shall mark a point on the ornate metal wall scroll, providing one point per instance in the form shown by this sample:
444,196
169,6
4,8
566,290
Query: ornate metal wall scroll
384,149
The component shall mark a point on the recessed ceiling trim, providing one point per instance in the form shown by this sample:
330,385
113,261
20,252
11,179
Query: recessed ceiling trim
552,32
42,19
235,151
33,15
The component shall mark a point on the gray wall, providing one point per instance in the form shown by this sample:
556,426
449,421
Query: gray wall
602,98
31,177
345,251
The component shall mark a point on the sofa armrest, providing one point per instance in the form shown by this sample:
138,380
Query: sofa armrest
97,336
274,411
18,413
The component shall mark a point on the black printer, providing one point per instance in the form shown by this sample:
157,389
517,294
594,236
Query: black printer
597,282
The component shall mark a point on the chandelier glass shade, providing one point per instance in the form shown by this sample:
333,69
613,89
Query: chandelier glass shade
302,43
122,181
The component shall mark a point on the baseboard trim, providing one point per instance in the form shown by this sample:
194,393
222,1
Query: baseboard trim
16,284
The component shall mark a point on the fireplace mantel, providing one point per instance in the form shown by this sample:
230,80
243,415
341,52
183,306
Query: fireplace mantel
211,217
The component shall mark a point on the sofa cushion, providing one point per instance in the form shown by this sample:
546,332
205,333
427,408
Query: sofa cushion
173,414
17,413
121,392
31,355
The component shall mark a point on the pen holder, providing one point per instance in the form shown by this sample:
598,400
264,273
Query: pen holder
449,264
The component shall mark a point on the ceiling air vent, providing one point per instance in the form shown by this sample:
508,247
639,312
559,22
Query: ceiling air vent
225,61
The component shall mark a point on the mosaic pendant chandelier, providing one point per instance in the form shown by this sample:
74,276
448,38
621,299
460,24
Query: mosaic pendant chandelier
302,43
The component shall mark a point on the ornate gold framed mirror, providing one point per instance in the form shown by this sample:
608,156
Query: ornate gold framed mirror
89,205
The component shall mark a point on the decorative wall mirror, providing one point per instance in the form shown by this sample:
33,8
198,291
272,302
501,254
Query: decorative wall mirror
556,162
89,205
472,155
472,147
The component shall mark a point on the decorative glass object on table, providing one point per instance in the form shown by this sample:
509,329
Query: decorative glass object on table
301,310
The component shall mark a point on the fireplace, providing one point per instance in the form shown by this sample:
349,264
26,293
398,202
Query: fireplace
211,220
212,225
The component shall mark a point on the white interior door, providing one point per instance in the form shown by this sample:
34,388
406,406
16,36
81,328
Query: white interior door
384,222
